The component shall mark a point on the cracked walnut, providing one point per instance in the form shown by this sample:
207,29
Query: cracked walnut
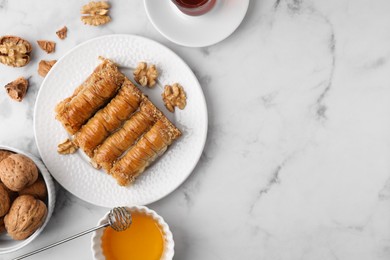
17,89
14,51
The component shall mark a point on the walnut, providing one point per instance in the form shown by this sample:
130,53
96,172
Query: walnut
14,51
17,89
45,66
96,13
17,172
5,200
27,214
174,96
47,46
66,147
62,33
4,154
37,190
12,194
144,75
2,226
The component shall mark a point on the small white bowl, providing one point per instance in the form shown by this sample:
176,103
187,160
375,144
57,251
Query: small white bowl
168,238
7,244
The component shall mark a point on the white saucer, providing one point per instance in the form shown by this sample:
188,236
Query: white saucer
196,31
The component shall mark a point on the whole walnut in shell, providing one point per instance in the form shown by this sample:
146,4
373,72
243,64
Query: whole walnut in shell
37,189
26,215
5,200
18,171
4,154
2,227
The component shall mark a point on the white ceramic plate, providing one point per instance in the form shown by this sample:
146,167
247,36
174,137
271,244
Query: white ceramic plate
74,172
7,244
196,31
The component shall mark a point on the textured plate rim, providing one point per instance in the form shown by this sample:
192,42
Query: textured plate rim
203,132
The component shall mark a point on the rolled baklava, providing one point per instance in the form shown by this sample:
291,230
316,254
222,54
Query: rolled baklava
90,96
116,144
115,124
108,119
152,144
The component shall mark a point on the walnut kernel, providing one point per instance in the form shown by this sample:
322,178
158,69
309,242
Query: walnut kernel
144,75
174,96
95,13
66,147
62,33
14,51
47,46
45,66
17,89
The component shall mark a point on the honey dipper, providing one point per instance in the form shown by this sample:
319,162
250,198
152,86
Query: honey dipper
119,219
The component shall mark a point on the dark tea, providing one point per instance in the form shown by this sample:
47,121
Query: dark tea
194,7
191,2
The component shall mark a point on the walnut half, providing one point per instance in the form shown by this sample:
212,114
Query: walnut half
45,66
144,75
17,89
174,96
14,51
66,147
95,13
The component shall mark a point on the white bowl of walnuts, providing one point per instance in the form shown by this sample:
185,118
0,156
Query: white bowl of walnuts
27,198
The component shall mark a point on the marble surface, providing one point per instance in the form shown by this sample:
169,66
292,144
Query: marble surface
296,164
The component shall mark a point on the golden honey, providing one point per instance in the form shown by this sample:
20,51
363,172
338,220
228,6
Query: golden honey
143,240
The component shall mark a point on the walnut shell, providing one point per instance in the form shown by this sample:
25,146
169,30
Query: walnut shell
14,51
44,67
37,190
26,215
17,89
62,33
12,194
4,154
47,46
17,172
5,200
2,226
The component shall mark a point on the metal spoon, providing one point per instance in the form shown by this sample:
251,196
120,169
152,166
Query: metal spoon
118,218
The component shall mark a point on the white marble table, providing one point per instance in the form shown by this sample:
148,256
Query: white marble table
297,161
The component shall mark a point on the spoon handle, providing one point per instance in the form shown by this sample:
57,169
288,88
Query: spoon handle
61,242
